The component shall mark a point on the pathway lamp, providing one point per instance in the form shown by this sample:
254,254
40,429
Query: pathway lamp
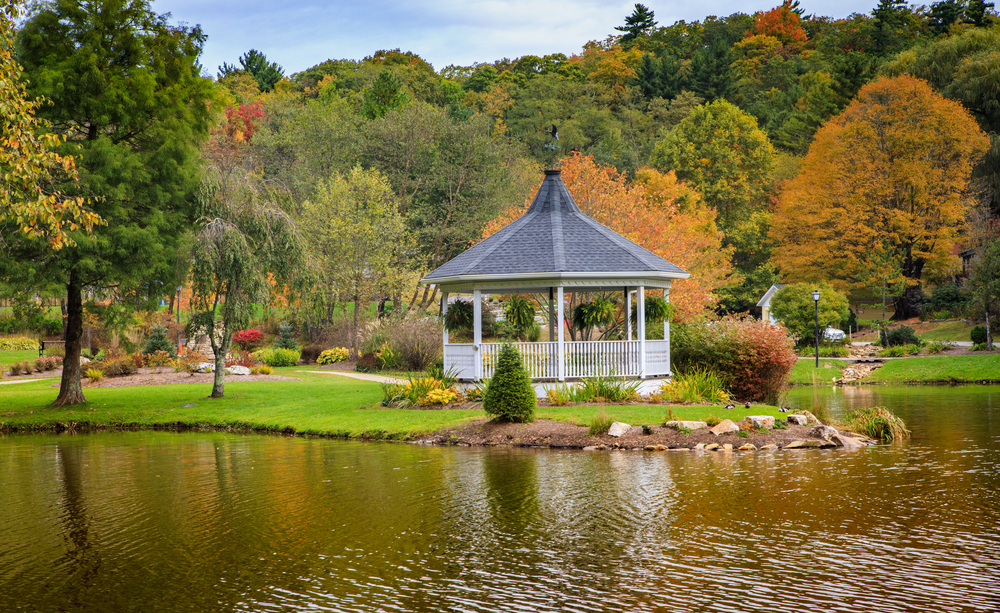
816,301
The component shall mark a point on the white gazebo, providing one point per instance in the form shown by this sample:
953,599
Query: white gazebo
555,249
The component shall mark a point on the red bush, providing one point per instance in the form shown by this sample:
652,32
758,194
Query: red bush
248,340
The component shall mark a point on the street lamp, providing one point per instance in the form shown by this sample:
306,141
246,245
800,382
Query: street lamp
816,301
179,288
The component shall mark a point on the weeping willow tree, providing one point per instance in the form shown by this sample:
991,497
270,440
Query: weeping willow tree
246,251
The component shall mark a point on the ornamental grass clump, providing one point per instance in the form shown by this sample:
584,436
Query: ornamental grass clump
601,423
878,423
696,387
611,389
509,396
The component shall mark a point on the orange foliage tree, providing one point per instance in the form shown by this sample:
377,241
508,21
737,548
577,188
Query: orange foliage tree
656,211
782,23
893,169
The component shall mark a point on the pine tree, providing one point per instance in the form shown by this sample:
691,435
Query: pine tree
509,396
639,23
157,341
286,337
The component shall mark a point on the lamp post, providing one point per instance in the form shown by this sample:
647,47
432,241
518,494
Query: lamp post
179,288
816,302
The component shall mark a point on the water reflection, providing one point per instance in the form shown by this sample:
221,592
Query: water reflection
214,522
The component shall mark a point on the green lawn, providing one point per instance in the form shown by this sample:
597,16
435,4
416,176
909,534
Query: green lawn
316,404
10,357
953,369
805,372
945,331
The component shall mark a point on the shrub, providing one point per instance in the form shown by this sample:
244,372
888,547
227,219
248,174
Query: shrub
903,335
612,389
977,335
286,338
277,357
877,422
947,297
94,374
560,395
387,358
17,343
934,347
712,420
753,358
264,369
332,356
241,358
14,369
794,307
367,362
43,364
138,360
509,395
825,351
157,341
416,341
26,367
116,367
56,351
698,386
898,351
311,353
441,396
49,327
248,340
601,423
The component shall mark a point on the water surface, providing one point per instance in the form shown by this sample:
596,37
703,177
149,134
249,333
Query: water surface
155,521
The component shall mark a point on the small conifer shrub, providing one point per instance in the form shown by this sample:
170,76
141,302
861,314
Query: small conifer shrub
286,337
157,341
509,396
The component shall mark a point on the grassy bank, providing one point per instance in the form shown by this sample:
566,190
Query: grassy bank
13,357
317,404
940,369
805,372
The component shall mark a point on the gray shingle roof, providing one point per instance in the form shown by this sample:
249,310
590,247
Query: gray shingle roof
553,236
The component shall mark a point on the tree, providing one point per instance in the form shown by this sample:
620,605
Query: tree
945,14
637,25
385,94
894,168
985,285
29,164
781,22
245,243
794,307
267,74
883,272
359,239
126,94
509,395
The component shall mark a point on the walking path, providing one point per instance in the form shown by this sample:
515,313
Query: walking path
356,375
18,381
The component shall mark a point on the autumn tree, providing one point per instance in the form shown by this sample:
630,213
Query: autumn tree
127,96
246,249
29,163
359,240
794,307
894,169
782,23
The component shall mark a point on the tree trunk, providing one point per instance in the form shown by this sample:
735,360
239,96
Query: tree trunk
989,331
354,327
220,349
70,390
170,307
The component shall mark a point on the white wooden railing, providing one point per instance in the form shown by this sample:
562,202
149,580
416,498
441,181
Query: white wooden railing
541,360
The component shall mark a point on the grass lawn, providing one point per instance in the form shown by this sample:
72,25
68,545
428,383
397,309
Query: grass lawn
929,331
323,405
10,357
955,369
805,372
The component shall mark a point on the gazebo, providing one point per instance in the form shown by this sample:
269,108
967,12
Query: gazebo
554,248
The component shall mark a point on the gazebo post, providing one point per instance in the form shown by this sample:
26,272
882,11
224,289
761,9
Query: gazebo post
477,331
444,313
562,345
552,320
666,328
628,311
641,316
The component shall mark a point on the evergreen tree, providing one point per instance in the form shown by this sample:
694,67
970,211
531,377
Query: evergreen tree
157,341
944,14
509,396
267,74
711,76
385,94
286,337
977,13
638,24
126,94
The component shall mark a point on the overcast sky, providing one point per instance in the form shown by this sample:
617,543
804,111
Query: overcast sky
298,34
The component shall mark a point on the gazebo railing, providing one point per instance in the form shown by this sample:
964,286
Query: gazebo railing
583,359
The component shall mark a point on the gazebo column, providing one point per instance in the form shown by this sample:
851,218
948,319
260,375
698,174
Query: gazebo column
477,330
562,343
666,328
628,312
641,316
444,313
552,320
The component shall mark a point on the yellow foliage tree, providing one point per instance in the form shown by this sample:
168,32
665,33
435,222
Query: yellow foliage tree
893,169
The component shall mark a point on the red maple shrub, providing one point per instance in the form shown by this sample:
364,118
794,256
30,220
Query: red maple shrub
248,340
752,357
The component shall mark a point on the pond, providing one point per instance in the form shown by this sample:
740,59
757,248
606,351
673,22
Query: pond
157,521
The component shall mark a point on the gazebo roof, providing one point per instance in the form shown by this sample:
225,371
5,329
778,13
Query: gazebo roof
554,239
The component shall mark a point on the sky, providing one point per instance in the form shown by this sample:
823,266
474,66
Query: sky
298,34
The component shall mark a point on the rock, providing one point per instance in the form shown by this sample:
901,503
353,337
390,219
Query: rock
798,420
768,447
826,432
700,446
711,446
725,427
843,440
809,444
618,428
690,425
759,421
812,419
595,448
679,449
188,406
84,360
238,370
747,447
727,447
205,367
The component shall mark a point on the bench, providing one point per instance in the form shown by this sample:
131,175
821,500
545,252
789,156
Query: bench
41,348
